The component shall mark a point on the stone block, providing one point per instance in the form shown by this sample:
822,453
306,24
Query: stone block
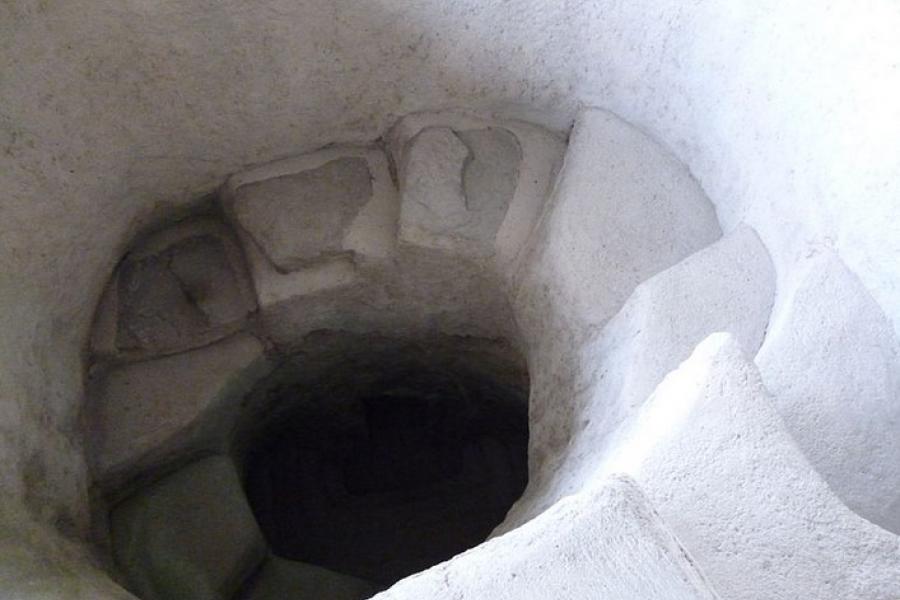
832,363
472,186
304,210
181,288
297,219
274,287
622,210
728,286
284,267
457,186
716,460
145,413
189,535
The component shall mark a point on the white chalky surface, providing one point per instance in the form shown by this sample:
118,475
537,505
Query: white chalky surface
622,209
717,461
728,286
299,218
144,412
786,115
606,543
833,369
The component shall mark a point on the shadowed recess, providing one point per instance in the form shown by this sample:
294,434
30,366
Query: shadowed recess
389,460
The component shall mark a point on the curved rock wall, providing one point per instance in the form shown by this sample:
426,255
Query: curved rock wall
113,117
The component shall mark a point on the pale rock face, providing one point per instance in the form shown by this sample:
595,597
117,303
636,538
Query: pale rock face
456,187
622,210
374,284
833,368
624,221
418,292
716,460
728,286
274,287
181,288
786,113
491,174
286,263
191,535
473,186
432,188
604,543
300,218
146,412
608,226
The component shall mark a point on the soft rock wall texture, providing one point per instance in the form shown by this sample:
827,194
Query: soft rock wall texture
114,116
362,406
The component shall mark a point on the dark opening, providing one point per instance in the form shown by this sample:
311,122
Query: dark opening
379,458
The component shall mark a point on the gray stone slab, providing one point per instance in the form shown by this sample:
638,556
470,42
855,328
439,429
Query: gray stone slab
299,218
191,535
144,413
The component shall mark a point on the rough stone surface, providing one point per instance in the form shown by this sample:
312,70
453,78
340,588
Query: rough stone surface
110,120
143,413
370,233
728,286
622,210
291,580
490,177
432,191
370,236
191,535
181,288
535,153
607,543
716,460
299,218
609,226
456,187
833,367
